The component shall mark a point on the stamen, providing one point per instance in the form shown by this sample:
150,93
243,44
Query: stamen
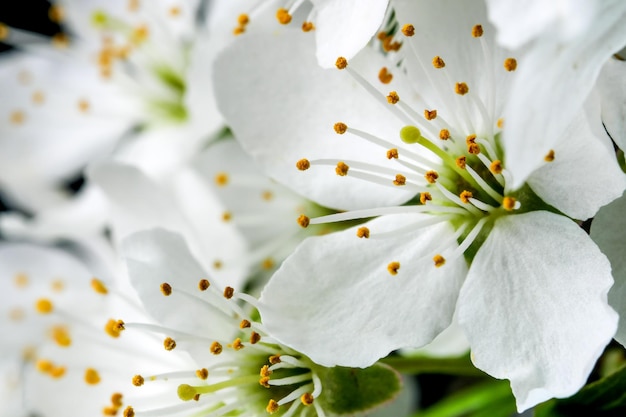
393,98
169,343
549,156
44,306
380,211
444,134
308,26
221,179
508,203
283,16
341,63
92,377
303,221
430,114
483,185
393,267
431,177
342,169
385,76
465,196
98,286
272,407
438,62
204,284
400,180
166,289
439,260
138,380
510,64
461,88
496,167
363,232
425,196
408,30
392,153
340,128
477,31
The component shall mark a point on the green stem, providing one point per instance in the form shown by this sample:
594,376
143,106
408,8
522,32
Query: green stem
423,365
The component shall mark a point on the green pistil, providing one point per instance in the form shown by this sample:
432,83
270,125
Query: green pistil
187,392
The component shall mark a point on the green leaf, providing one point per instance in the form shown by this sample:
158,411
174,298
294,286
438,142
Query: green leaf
603,398
353,390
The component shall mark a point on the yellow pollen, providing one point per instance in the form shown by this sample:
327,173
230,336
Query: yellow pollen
408,30
227,216
116,399
308,26
217,264
477,31
196,397
44,306
83,106
461,88
272,407
140,34
393,267
267,264
340,128
38,97
425,196
114,328
342,169
303,164
110,411
461,162
470,139
384,75
17,117
243,19
229,292
60,40
430,114
508,203
510,64
254,338
473,148
549,156
221,179
57,372
392,153
56,14
465,196
61,336
393,97
400,180
341,63
169,343
267,195
265,381
174,11
129,412
496,167
166,289
4,31
444,134
283,16
438,62
203,284
363,232
133,5
388,43
439,260
274,359
98,286
202,373
265,371
20,280
303,221
44,366
500,123
244,324
138,380
237,344
91,376
239,30
431,176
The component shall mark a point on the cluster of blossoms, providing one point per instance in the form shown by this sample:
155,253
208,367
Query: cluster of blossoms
224,208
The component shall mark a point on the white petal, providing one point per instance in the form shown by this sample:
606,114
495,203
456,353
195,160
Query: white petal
352,301
534,306
607,230
451,342
611,86
597,178
552,82
342,28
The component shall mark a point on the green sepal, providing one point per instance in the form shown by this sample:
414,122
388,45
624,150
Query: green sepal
354,390
603,398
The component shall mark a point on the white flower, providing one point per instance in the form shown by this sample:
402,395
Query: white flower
422,126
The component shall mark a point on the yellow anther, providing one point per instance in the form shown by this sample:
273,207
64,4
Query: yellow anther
265,371
229,292
133,5
56,13
510,64
138,380
508,203
393,97
303,164
114,328
98,286
17,117
308,26
237,344
243,19
470,139
110,411
61,335
500,123
438,62
430,114
408,30
473,148
17,314
217,264
267,195
92,377
392,153
254,338
4,32
203,284
431,176
444,134
274,359
174,11
283,16
340,128
342,169
389,45
400,180
202,373
477,31
267,264
166,289
363,232
393,267
58,285
439,260
461,88
244,324
461,162
496,167
272,407
265,381
227,216
384,75
44,306
129,412
425,196
196,397
140,34
465,196
44,366
221,179
116,399
38,97
549,156
341,63
303,221
21,280
239,30
57,372
169,343
60,40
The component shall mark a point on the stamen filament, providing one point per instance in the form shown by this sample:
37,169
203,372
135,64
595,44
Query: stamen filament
469,239
233,382
456,200
295,394
291,379
380,211
483,206
484,186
